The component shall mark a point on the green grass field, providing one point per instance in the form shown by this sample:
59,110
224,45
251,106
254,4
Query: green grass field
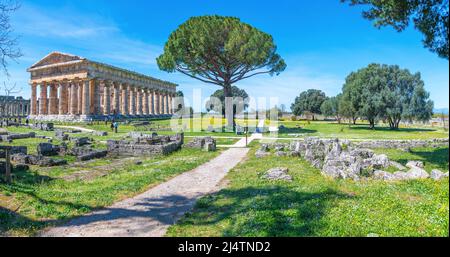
299,129
359,131
313,205
42,197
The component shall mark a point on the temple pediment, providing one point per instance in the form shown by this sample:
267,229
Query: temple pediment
56,58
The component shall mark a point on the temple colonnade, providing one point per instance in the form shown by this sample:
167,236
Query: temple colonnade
65,86
98,97
11,106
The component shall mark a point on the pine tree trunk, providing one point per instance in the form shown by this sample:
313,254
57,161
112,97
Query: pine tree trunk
229,113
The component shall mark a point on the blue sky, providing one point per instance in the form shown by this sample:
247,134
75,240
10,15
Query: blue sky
321,41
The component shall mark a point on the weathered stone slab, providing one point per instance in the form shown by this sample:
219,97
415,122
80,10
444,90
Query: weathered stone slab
100,133
10,137
95,154
37,160
43,126
413,164
15,150
277,174
261,154
80,141
48,149
61,135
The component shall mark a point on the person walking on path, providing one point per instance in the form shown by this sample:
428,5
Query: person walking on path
116,126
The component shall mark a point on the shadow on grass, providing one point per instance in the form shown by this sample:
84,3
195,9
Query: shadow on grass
14,221
10,220
25,183
251,211
385,129
438,156
296,131
265,211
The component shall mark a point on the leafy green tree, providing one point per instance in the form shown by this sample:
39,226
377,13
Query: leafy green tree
429,16
330,107
180,103
274,110
388,93
308,101
220,51
235,93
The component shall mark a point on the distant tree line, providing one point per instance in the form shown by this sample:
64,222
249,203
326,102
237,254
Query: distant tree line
377,92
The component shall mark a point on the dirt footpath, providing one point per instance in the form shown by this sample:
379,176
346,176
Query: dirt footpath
151,213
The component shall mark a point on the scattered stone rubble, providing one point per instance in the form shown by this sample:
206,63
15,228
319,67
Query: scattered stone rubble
342,159
206,143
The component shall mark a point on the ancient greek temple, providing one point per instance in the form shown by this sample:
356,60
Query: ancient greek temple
12,107
73,88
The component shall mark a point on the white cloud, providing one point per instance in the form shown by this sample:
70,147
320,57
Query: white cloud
33,21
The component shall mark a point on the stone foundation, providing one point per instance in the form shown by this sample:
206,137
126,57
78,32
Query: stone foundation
403,144
156,145
9,137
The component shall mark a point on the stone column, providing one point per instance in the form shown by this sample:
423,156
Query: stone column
43,99
80,86
124,99
152,102
63,99
33,99
156,104
53,99
66,86
74,98
86,98
116,97
171,103
97,99
106,99
161,103
166,102
139,102
146,103
132,91
94,95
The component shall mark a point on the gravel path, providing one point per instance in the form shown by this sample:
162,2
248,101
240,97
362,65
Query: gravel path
75,127
151,213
